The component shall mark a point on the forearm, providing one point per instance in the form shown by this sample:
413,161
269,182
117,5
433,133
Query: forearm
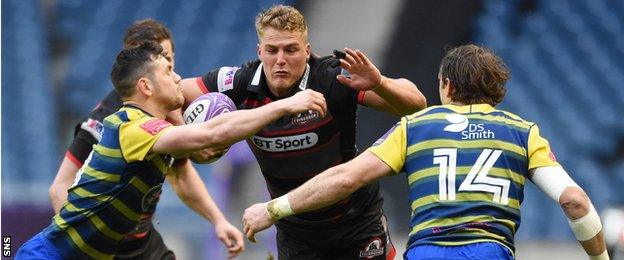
63,180
321,191
402,95
191,190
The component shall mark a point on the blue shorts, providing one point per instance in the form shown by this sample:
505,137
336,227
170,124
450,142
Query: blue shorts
483,250
37,248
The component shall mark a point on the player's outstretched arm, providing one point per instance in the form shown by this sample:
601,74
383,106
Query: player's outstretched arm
63,180
323,190
190,188
582,217
226,129
396,96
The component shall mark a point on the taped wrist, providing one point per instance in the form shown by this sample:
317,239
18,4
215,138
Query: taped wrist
586,227
279,208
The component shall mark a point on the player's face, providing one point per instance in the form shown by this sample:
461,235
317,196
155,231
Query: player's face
168,51
166,83
284,55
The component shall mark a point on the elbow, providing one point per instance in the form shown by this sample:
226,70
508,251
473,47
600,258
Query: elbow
574,202
417,101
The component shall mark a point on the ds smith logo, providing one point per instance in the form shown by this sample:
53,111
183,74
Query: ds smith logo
459,123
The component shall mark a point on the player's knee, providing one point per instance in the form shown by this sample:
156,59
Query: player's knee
574,202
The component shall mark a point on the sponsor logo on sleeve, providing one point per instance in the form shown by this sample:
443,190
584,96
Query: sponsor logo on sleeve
154,126
552,156
384,136
94,127
285,143
225,78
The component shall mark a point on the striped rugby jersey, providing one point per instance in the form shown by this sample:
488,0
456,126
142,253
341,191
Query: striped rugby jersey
466,167
120,180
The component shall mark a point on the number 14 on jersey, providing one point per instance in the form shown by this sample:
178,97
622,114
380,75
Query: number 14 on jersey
476,180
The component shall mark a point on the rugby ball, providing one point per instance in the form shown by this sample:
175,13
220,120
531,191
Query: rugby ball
203,109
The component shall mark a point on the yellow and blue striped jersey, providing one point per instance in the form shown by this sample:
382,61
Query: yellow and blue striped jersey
466,167
120,180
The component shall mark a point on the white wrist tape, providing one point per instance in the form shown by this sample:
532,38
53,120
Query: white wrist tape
603,256
586,227
279,208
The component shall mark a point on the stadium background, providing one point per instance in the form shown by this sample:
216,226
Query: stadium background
566,59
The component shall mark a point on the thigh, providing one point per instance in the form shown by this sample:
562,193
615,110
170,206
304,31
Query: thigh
293,247
371,242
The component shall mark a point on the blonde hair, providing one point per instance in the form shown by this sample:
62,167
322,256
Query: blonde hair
282,18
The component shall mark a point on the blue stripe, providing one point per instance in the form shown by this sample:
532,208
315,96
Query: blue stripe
455,234
434,130
462,209
110,137
429,186
467,158
107,164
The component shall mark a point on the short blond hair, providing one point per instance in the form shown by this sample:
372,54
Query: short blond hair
282,18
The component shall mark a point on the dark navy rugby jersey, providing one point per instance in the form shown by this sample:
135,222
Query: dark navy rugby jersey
295,148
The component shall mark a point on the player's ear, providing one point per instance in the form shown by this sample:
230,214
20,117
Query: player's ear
144,85
307,49
258,50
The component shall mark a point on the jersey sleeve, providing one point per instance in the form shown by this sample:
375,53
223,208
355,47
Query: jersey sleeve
392,146
231,81
88,132
137,137
539,152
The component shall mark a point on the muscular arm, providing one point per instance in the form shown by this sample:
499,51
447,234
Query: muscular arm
63,180
323,190
396,96
582,217
226,129
191,189
190,90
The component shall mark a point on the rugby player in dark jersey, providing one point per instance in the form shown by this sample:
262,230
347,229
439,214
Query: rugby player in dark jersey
295,148
144,242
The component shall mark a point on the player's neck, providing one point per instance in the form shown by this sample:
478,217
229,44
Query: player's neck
153,110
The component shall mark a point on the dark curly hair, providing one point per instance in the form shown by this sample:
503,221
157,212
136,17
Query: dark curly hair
476,73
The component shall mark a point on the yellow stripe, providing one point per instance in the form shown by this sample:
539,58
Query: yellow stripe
442,117
495,171
102,227
462,197
125,210
115,153
139,184
443,222
84,247
114,119
492,144
100,175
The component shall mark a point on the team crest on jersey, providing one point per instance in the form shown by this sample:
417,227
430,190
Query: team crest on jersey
304,118
225,78
373,249
154,126
151,197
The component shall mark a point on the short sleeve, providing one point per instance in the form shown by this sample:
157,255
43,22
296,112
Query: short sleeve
137,137
539,152
392,146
